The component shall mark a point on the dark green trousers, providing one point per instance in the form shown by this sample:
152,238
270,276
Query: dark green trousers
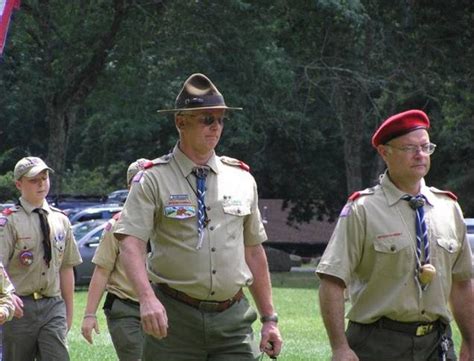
195,335
371,343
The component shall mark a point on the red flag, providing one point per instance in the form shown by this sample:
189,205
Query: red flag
6,9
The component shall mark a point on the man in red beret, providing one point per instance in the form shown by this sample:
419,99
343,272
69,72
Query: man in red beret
400,250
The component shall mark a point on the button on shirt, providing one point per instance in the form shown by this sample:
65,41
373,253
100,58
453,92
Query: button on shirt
162,207
373,250
21,244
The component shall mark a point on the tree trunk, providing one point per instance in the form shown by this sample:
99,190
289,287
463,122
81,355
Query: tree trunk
60,123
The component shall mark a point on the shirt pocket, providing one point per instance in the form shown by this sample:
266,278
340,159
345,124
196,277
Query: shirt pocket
25,252
394,257
234,218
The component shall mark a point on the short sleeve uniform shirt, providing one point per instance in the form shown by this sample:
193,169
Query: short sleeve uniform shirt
162,207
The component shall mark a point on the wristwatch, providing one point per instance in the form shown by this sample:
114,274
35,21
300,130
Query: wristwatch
270,318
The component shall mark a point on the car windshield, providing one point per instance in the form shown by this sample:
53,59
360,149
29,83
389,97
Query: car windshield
82,228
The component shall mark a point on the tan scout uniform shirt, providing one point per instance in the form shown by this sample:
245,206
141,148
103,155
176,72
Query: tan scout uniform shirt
107,256
373,250
6,291
21,249
162,207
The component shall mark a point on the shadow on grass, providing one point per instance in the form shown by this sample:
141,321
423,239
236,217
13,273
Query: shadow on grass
295,280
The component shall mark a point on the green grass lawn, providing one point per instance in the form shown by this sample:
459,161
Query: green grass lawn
296,300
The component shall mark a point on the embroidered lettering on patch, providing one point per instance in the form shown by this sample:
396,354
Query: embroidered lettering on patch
180,211
3,221
346,210
179,200
390,235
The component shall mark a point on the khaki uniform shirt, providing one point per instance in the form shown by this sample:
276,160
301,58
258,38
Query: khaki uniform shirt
21,249
6,291
107,256
373,250
162,207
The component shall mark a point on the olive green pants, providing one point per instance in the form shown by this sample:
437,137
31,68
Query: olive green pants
123,322
194,335
371,343
40,333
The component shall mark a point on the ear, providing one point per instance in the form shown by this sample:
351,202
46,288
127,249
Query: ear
18,185
179,121
382,150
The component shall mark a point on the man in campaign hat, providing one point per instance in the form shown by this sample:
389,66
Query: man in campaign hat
39,252
400,250
200,213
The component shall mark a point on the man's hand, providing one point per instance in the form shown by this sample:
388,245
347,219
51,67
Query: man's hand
271,341
154,317
345,354
17,301
89,324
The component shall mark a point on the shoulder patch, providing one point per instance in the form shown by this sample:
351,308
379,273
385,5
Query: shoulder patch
162,160
358,194
447,193
235,163
117,215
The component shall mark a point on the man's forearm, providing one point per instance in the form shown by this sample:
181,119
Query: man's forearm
331,299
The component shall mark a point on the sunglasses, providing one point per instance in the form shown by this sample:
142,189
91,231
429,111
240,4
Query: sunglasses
208,120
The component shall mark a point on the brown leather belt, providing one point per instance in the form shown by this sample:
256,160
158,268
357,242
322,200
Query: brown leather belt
412,328
206,306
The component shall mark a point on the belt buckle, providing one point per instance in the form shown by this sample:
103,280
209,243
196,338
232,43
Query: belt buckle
209,306
37,296
423,330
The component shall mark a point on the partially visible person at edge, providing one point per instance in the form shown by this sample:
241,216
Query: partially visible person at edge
401,251
6,301
121,306
39,252
200,212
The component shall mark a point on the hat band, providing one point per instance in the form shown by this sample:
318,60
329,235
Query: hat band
391,136
201,102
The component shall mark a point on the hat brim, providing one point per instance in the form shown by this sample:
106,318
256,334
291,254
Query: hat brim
198,108
36,170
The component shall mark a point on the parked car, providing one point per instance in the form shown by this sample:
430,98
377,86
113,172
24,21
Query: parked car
100,211
118,196
470,232
88,235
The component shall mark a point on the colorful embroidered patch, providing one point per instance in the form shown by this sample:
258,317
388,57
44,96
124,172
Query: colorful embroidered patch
180,211
138,177
346,210
3,221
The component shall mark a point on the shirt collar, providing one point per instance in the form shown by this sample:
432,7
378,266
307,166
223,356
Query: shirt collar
28,207
393,194
186,165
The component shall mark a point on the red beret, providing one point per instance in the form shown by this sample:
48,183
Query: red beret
400,124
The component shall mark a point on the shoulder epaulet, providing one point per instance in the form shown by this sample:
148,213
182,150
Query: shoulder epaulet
7,211
57,210
162,160
116,216
236,163
358,194
447,193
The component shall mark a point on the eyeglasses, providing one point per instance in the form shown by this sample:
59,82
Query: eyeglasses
427,148
208,120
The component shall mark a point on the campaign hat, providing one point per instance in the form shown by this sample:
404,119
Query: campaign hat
198,92
400,124
29,167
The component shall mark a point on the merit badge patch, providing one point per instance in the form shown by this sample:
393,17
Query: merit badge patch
180,211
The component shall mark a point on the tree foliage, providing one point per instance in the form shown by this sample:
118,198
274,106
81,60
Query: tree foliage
81,82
